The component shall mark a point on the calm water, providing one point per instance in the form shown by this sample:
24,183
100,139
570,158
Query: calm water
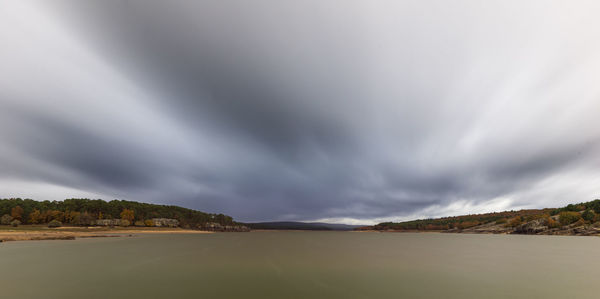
303,265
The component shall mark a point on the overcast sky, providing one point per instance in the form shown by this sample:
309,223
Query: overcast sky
341,111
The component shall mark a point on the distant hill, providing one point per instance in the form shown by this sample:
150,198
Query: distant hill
574,219
291,225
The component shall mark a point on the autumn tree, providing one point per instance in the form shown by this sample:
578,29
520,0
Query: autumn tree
128,215
514,222
74,217
5,219
34,217
70,210
16,213
551,223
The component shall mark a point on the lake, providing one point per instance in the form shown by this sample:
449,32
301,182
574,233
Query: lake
303,265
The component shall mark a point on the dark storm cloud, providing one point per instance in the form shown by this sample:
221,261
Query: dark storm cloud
345,111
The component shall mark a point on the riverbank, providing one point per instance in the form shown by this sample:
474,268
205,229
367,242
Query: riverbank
534,227
582,219
38,232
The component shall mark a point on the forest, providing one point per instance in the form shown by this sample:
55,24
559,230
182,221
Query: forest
80,211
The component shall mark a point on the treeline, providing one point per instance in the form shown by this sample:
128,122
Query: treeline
288,225
78,211
586,212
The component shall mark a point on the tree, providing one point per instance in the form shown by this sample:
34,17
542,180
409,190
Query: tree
67,211
568,217
85,219
588,215
54,223
73,217
16,213
5,219
34,217
128,215
56,215
551,223
515,222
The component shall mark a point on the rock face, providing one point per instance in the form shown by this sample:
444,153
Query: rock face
108,222
532,227
213,226
487,228
165,222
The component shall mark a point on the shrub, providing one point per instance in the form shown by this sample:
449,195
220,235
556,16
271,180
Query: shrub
501,221
139,223
515,222
535,217
551,223
16,212
54,223
5,219
467,224
579,222
588,215
86,219
15,223
125,222
149,223
567,218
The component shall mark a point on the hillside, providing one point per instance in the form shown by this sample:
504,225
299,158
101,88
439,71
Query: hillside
574,219
291,225
85,211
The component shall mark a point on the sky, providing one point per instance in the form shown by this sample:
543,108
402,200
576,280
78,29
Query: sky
341,111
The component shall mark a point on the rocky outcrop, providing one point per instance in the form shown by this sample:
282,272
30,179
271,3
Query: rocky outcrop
532,227
488,228
213,226
108,222
165,222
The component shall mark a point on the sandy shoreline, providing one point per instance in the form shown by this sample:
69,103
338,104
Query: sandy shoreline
34,233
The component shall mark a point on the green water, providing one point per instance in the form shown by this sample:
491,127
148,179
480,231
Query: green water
303,265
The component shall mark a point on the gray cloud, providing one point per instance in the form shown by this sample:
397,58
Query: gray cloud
344,111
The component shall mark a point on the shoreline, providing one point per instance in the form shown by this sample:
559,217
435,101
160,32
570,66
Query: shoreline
39,233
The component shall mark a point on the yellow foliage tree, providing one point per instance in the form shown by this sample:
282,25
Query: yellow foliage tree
514,222
16,212
127,215
34,217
